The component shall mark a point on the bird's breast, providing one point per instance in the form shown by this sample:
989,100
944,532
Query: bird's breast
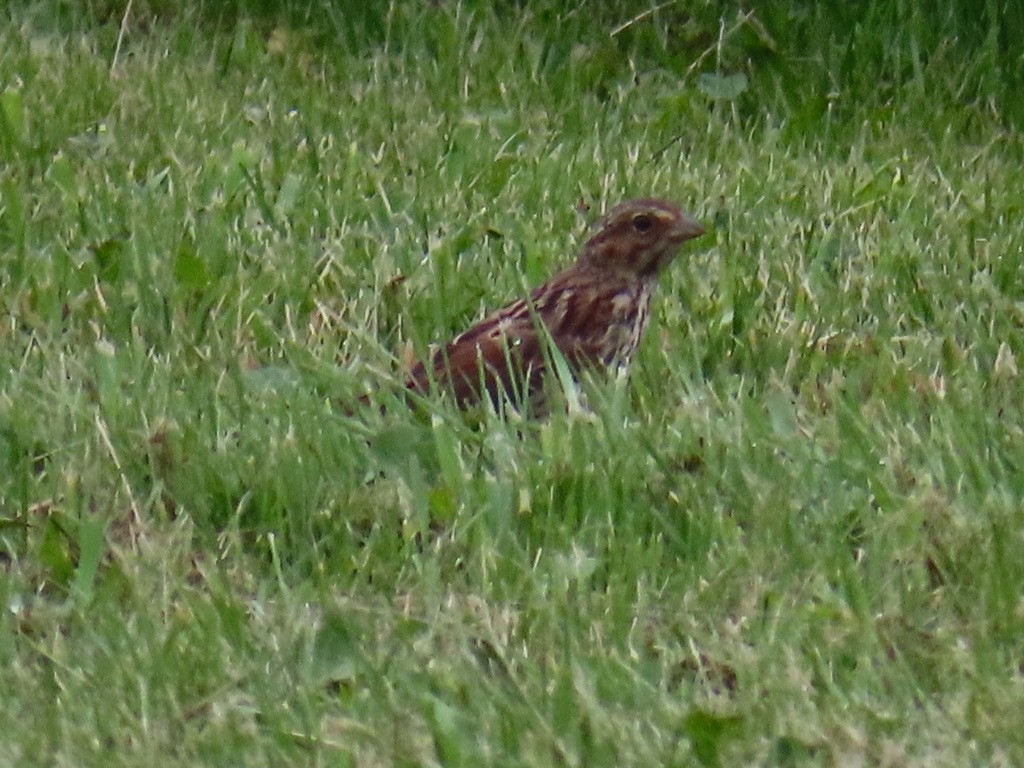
628,313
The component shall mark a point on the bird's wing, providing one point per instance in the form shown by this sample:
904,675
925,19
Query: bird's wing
499,356
587,317
507,353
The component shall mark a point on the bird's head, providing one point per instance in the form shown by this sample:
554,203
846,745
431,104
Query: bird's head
639,237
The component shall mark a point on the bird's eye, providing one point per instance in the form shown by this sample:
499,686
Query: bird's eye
641,222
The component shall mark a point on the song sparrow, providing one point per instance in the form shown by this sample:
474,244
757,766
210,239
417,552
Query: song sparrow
594,313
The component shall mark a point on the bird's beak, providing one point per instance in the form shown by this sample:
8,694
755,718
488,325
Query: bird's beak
687,228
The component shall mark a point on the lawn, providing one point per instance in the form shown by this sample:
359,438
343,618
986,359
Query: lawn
787,539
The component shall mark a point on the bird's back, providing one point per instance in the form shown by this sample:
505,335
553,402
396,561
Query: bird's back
593,322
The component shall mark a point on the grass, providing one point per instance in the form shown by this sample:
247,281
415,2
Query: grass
790,539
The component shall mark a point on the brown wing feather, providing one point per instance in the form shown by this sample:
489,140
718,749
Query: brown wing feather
569,307
497,357
505,354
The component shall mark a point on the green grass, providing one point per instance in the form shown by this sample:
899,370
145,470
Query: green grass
791,539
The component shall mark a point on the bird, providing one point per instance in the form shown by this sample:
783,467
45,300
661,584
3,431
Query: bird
593,313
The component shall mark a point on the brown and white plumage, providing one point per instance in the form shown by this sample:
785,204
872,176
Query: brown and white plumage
594,312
